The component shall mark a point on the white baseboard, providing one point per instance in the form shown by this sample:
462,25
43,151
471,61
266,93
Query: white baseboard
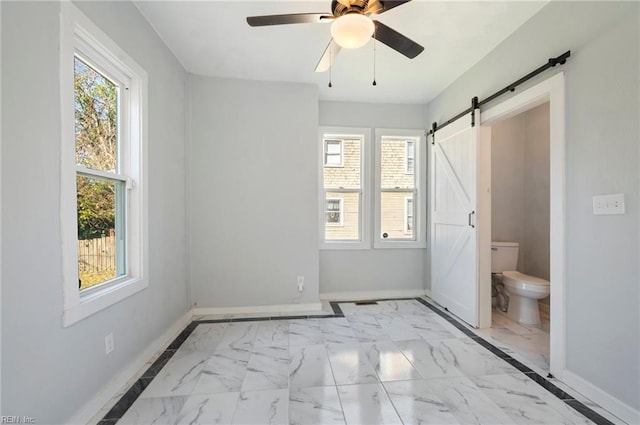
88,414
283,308
602,398
371,295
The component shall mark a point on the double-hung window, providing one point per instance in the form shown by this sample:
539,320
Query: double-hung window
344,195
399,198
103,185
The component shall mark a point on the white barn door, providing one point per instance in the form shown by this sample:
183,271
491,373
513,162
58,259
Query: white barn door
454,253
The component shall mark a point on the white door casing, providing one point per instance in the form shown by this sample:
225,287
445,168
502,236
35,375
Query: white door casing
454,251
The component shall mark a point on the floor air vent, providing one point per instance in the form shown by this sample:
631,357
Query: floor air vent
366,303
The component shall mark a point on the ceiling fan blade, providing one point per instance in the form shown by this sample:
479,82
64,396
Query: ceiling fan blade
328,57
293,18
381,6
396,41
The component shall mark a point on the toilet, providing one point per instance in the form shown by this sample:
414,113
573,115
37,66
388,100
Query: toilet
523,290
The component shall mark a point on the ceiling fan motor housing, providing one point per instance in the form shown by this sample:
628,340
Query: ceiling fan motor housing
343,7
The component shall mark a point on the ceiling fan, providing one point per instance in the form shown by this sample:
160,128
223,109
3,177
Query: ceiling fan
352,27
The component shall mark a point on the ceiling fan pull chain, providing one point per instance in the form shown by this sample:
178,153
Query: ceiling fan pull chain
374,59
330,61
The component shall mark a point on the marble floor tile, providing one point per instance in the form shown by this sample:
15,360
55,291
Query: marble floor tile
208,409
388,361
268,368
350,364
396,361
315,406
467,403
367,329
336,331
223,372
239,336
428,327
417,403
397,328
525,402
309,367
179,376
471,358
272,334
157,411
268,407
304,332
429,359
367,404
205,337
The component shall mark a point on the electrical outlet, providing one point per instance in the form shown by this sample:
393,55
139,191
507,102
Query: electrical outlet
300,283
108,343
608,204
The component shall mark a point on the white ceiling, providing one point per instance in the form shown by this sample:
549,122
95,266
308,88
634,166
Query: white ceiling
212,38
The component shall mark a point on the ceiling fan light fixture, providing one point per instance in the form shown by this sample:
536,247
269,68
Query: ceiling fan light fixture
352,30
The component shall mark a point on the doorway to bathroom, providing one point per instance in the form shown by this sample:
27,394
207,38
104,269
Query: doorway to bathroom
523,170
520,215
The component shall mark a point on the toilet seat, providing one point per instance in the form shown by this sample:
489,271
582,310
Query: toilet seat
525,282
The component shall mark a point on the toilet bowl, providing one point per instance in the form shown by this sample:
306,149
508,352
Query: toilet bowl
524,292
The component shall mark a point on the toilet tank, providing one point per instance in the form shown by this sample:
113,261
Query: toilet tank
504,256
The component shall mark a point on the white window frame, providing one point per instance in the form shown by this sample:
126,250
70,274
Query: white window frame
325,153
343,133
406,157
408,209
79,35
340,211
419,193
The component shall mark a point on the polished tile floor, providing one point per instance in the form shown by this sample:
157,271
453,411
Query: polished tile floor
529,344
394,362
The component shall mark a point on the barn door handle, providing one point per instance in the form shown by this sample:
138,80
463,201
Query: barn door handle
470,214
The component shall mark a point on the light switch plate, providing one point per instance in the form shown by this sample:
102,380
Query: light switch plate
608,204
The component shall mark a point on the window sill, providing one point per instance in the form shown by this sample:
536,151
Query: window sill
98,300
399,245
340,245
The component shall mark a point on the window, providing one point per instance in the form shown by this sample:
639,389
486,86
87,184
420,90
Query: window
100,188
408,216
103,185
347,207
343,195
410,156
333,153
399,201
334,212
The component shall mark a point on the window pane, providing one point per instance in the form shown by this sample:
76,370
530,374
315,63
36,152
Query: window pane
96,118
342,221
397,215
333,146
100,229
347,176
393,172
411,154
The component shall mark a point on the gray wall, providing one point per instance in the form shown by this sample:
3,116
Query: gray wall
253,197
520,187
602,109
372,269
50,372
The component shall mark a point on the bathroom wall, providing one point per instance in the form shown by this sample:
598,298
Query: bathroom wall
520,187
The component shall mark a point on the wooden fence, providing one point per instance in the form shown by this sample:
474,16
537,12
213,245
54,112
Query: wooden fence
97,255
